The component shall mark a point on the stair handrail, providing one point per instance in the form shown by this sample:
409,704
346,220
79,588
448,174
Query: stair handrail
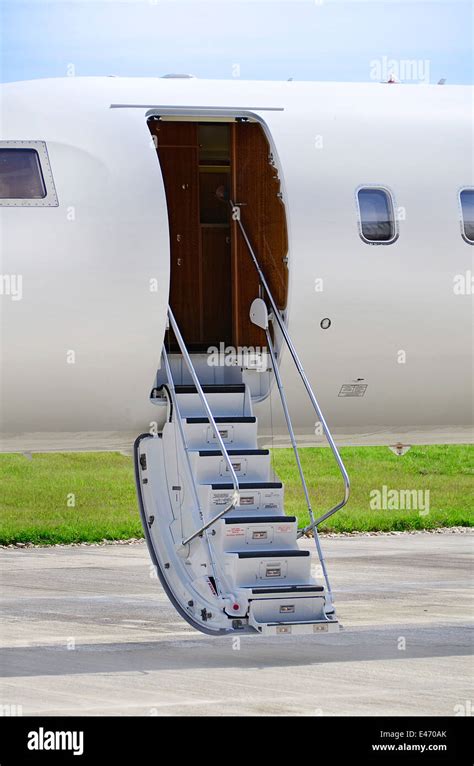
236,494
277,316
170,389
297,457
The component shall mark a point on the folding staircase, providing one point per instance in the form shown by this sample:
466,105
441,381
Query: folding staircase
213,512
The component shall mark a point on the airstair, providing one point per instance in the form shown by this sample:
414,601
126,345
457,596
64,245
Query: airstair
213,511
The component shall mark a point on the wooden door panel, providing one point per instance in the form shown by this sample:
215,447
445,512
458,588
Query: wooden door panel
178,155
213,209
174,133
217,290
257,187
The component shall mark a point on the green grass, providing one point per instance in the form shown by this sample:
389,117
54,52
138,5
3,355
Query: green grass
446,471
34,498
34,493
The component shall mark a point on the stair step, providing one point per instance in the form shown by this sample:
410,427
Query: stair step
248,464
306,627
206,373
248,569
218,453
258,519
224,419
270,590
287,610
212,388
245,485
297,553
255,533
228,400
256,498
237,432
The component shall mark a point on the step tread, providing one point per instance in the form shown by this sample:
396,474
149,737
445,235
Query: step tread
259,519
296,622
233,452
250,485
223,419
267,554
288,589
212,388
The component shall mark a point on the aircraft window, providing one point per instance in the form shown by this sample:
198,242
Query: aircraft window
20,174
377,220
26,179
467,209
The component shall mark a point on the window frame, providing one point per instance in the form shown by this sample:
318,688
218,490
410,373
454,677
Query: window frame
461,214
51,198
391,200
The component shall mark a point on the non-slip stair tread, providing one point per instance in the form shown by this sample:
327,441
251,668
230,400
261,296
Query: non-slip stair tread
223,419
232,452
283,623
259,519
288,589
250,485
276,554
212,388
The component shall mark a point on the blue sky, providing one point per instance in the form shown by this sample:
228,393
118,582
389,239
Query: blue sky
272,39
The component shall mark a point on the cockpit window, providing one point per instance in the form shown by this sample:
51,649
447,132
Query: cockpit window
26,179
20,174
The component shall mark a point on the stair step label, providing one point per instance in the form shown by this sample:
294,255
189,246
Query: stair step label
226,434
239,466
272,570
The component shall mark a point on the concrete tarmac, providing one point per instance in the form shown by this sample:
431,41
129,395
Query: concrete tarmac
89,631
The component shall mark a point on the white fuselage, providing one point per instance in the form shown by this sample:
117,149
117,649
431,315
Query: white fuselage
95,267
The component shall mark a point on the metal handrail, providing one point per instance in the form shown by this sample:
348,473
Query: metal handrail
221,579
297,457
174,400
277,317
236,494
175,404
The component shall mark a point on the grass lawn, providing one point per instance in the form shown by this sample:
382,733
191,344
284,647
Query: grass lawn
74,497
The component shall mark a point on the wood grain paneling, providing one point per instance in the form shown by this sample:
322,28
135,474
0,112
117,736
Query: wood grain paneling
178,155
213,281
257,187
174,133
217,292
213,209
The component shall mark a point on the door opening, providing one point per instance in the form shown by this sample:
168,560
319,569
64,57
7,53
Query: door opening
213,279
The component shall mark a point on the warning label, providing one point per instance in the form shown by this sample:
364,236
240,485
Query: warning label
235,532
353,389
